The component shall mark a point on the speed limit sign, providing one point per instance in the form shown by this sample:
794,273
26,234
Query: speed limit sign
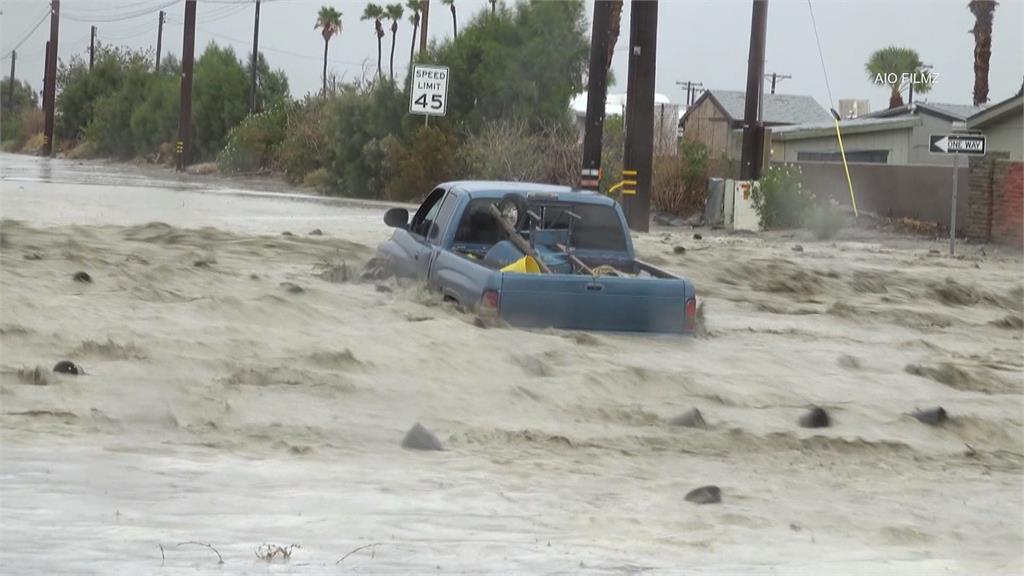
429,94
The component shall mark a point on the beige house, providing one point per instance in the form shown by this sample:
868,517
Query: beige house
894,136
1003,126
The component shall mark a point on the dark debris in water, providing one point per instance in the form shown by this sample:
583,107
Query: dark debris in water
705,495
68,367
931,416
419,438
816,417
82,276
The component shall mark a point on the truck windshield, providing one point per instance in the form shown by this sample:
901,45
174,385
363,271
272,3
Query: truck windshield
598,227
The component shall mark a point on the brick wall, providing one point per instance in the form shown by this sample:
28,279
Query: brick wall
995,200
1008,203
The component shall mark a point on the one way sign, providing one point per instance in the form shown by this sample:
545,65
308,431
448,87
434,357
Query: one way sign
971,144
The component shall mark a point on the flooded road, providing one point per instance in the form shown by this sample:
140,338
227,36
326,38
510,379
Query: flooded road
235,397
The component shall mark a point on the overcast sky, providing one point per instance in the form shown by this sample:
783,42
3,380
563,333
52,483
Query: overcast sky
698,40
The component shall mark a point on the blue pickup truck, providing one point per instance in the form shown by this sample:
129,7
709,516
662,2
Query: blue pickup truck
536,256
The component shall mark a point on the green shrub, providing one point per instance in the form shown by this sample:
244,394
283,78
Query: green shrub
12,129
359,119
781,200
220,100
414,168
251,145
136,117
303,149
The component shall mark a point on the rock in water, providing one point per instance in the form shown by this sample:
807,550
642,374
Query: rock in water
419,438
932,417
67,367
691,419
679,250
316,232
798,248
705,495
815,418
698,237
83,277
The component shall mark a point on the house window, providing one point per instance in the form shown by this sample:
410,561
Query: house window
871,156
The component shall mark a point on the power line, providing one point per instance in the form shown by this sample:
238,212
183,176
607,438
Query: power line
42,19
92,18
821,56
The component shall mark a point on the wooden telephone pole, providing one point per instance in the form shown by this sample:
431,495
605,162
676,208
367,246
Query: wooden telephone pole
50,84
639,151
159,38
10,85
183,147
597,95
753,132
92,46
255,57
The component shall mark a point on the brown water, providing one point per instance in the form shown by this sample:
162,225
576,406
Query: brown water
218,406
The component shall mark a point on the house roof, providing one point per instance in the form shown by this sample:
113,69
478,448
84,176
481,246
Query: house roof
778,108
1013,105
940,109
614,104
855,126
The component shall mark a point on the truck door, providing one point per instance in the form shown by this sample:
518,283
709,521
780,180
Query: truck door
416,248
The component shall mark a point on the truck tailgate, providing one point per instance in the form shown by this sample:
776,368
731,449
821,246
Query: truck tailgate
602,303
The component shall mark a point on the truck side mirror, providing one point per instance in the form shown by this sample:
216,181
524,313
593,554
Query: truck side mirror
397,218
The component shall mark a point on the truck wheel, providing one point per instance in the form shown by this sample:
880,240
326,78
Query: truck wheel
513,208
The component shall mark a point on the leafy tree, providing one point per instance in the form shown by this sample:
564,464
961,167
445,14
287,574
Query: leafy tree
272,89
394,13
220,98
24,98
375,12
983,11
328,20
521,63
891,63
79,89
455,22
361,126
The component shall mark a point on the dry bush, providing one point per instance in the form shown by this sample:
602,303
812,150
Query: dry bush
679,184
509,150
270,552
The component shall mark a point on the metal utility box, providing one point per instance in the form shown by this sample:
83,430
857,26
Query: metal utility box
714,209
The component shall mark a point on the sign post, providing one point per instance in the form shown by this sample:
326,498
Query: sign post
429,93
956,144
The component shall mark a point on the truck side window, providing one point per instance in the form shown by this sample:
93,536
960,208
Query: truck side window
440,220
420,224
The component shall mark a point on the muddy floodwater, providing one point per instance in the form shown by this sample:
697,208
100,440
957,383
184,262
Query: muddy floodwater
242,388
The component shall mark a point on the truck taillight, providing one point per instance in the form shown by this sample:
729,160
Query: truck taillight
691,315
489,301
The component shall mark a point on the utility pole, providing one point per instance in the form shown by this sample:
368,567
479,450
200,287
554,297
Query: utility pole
183,147
10,86
255,56
691,90
597,94
424,19
638,156
159,38
46,59
50,87
92,46
776,77
753,133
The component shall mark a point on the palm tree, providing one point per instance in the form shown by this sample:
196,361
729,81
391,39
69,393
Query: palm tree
394,13
983,11
455,22
328,20
889,66
375,13
414,19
